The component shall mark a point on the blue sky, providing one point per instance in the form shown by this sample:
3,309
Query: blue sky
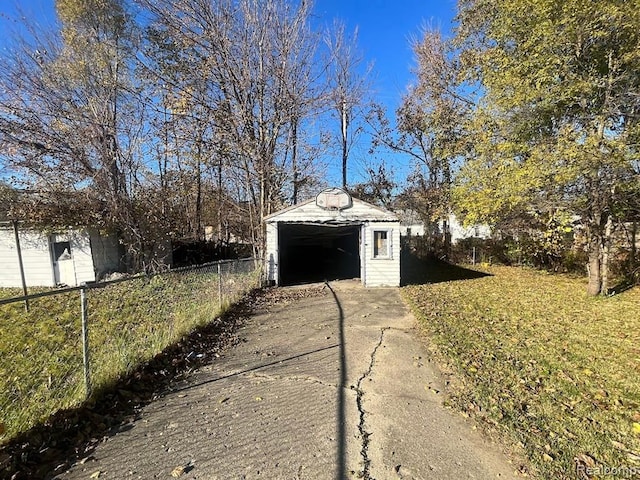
385,28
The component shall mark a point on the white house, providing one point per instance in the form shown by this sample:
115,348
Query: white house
412,226
69,258
459,232
333,236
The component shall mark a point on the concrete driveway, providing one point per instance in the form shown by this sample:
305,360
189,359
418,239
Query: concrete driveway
330,383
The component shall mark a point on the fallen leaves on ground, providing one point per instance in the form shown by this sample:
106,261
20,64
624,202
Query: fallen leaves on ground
537,357
77,432
279,297
181,470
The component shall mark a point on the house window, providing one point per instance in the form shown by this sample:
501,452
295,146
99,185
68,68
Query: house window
61,251
381,244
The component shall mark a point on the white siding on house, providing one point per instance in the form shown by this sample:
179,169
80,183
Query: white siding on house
81,254
271,252
459,232
380,272
309,212
36,258
413,230
374,271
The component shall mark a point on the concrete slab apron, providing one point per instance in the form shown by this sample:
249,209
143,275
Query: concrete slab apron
330,386
411,435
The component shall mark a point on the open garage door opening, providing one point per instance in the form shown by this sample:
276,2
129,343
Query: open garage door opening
314,253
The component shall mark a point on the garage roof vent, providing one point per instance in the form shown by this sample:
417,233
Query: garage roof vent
334,199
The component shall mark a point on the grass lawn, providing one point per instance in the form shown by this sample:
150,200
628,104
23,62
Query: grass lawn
41,365
553,369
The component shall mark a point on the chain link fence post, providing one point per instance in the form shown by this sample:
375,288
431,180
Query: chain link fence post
85,340
157,313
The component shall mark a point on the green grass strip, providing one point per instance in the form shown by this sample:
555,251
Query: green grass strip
41,366
555,369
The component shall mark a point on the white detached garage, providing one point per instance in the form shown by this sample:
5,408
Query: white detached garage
330,237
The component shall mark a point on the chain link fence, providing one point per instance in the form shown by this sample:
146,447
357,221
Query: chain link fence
70,342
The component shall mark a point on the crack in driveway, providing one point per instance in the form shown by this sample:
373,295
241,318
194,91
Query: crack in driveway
364,452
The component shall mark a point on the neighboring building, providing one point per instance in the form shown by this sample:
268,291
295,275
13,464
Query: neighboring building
459,232
412,226
412,230
64,258
333,236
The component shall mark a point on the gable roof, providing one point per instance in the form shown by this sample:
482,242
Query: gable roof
309,211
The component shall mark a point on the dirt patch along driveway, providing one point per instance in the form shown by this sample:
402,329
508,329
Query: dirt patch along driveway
329,381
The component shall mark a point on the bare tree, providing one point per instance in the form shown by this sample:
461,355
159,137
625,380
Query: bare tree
378,188
213,106
71,120
348,79
258,58
430,129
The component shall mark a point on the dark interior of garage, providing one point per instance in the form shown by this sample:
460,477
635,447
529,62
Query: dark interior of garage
314,253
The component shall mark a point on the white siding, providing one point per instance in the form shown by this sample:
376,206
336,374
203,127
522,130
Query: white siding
36,258
381,271
9,272
413,230
310,212
81,254
38,261
271,253
374,271
459,232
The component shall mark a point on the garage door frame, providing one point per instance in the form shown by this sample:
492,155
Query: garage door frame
286,274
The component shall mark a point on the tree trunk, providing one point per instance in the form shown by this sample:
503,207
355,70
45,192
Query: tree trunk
595,274
220,206
598,261
634,251
294,158
446,236
606,255
344,123
198,220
